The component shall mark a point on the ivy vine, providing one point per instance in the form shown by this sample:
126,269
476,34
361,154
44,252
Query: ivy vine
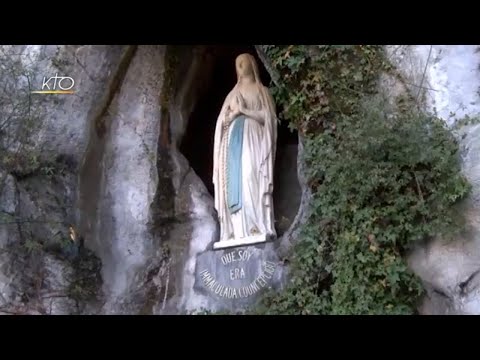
382,181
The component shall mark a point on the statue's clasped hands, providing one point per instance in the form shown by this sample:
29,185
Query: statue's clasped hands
235,109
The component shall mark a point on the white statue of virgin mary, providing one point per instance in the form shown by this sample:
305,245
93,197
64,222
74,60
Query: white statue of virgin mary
244,156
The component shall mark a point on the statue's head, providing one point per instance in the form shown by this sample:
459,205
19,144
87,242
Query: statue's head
246,66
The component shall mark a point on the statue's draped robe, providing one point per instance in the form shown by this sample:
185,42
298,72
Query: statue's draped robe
244,156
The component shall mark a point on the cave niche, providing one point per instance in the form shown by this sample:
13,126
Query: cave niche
212,85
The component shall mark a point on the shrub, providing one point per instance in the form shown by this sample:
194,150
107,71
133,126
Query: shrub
19,111
381,180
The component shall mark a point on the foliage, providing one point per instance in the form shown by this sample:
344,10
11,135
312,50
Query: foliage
466,121
203,311
319,82
19,111
381,182
86,280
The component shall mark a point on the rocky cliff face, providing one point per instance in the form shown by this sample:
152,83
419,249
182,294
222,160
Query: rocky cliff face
112,218
446,79
40,200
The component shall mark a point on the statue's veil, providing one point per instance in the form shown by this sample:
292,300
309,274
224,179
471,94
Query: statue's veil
256,73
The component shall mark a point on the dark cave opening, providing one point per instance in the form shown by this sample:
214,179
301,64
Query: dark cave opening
197,142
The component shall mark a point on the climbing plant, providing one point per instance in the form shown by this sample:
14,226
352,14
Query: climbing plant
19,112
382,180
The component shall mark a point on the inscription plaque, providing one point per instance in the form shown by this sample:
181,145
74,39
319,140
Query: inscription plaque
238,275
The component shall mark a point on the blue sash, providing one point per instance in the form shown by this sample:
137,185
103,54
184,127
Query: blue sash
234,165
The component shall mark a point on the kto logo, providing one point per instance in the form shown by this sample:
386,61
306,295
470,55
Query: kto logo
57,85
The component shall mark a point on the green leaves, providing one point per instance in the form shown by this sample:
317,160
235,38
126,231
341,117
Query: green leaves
358,76
381,181
334,78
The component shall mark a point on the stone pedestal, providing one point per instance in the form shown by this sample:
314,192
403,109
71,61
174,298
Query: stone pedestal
250,240
236,277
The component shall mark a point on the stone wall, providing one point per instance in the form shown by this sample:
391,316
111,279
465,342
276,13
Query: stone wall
446,81
111,171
